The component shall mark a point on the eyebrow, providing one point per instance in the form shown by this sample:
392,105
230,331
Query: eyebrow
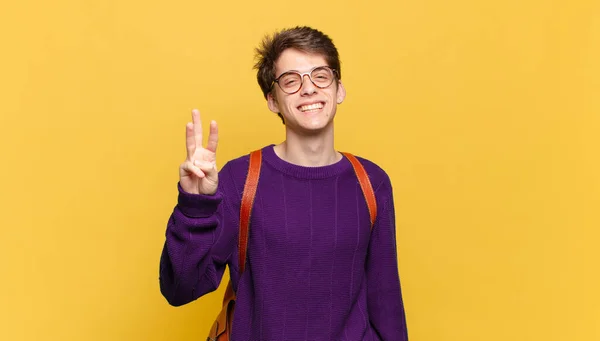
316,67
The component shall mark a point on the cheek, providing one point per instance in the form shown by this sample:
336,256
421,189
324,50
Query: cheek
290,106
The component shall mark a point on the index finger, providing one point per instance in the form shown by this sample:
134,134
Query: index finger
213,137
197,128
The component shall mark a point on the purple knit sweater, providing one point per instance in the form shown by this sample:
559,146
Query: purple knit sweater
315,270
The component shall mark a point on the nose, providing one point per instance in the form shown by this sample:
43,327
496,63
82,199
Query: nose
308,88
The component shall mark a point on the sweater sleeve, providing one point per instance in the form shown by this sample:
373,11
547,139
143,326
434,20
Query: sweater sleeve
200,239
385,304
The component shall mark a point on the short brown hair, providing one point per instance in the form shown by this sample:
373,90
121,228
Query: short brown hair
302,38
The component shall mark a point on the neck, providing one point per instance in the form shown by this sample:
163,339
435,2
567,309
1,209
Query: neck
309,150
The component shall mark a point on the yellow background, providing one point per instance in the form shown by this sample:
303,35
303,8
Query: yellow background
486,115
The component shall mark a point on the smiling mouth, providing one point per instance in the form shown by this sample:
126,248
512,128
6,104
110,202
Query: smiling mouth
311,107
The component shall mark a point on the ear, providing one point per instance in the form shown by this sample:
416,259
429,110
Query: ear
272,103
341,93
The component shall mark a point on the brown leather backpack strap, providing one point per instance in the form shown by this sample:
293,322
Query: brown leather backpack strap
246,207
365,185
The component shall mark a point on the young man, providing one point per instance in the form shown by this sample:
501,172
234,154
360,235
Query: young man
316,269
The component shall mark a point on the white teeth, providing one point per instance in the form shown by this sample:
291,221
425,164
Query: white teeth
311,106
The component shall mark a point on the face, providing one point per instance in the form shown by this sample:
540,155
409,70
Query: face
311,109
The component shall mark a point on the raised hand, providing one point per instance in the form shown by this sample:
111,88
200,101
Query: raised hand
198,173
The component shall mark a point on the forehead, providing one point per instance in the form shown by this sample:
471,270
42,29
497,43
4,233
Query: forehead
295,60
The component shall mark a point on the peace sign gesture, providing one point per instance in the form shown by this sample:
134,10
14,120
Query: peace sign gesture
198,173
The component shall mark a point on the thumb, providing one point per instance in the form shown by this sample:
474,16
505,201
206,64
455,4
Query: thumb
207,167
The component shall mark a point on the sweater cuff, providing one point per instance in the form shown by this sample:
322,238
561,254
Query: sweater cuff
198,205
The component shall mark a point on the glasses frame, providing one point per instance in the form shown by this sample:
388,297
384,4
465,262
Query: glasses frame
302,74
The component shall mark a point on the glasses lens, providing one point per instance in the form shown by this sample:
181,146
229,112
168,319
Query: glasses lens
290,82
322,77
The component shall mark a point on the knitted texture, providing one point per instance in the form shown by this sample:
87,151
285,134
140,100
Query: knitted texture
315,270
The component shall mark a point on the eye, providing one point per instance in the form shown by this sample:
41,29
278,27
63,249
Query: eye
321,75
290,81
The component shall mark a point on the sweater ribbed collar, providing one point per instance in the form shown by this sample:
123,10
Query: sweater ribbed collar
304,172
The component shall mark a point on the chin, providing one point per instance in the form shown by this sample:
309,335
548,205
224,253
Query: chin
315,126
312,122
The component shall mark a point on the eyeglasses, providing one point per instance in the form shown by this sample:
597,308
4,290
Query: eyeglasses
291,82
